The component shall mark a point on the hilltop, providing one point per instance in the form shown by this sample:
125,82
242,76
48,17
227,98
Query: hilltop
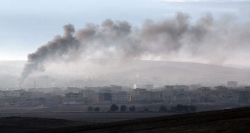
104,72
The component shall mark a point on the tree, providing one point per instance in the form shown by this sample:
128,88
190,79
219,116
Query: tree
179,108
192,108
146,110
163,108
42,100
96,109
123,108
173,109
132,108
185,108
90,108
114,107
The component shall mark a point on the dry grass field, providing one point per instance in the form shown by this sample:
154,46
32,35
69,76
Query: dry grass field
46,120
80,113
221,121
25,124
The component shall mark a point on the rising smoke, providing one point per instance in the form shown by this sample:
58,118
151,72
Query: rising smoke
206,38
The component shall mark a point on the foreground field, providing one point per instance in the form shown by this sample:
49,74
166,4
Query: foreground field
80,113
223,121
25,124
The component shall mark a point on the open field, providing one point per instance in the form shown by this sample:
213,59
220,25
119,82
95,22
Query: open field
80,113
228,120
24,124
221,121
77,113
90,117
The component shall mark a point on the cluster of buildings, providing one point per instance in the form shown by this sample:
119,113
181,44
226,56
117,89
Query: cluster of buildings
169,94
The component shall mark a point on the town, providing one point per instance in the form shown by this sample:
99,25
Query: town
114,94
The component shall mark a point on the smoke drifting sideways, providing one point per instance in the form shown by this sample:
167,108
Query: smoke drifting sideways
206,38
54,49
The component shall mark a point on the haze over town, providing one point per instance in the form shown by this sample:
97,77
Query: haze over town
157,57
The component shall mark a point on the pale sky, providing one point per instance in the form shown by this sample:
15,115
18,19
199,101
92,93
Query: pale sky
27,24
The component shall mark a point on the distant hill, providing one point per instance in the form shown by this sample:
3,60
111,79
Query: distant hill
221,121
130,72
187,73
11,67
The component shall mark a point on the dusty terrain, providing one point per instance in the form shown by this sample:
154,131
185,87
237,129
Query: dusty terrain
220,121
22,119
24,124
80,113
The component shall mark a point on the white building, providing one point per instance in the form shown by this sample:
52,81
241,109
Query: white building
121,97
72,98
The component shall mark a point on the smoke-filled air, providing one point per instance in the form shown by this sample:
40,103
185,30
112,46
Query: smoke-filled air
214,40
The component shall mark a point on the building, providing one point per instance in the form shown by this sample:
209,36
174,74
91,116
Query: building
115,88
195,86
156,96
72,98
104,97
221,89
232,84
137,94
37,94
243,97
121,97
247,88
168,93
168,87
73,89
148,86
182,87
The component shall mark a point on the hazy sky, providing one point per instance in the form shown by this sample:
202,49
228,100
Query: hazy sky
27,24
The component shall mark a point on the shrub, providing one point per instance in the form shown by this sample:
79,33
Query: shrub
179,108
97,109
114,107
192,108
123,108
173,109
90,108
163,108
185,108
132,109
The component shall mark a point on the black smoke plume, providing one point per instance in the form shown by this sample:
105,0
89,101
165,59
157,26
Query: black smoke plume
206,38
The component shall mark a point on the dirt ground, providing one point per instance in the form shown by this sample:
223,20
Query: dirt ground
80,113
222,121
